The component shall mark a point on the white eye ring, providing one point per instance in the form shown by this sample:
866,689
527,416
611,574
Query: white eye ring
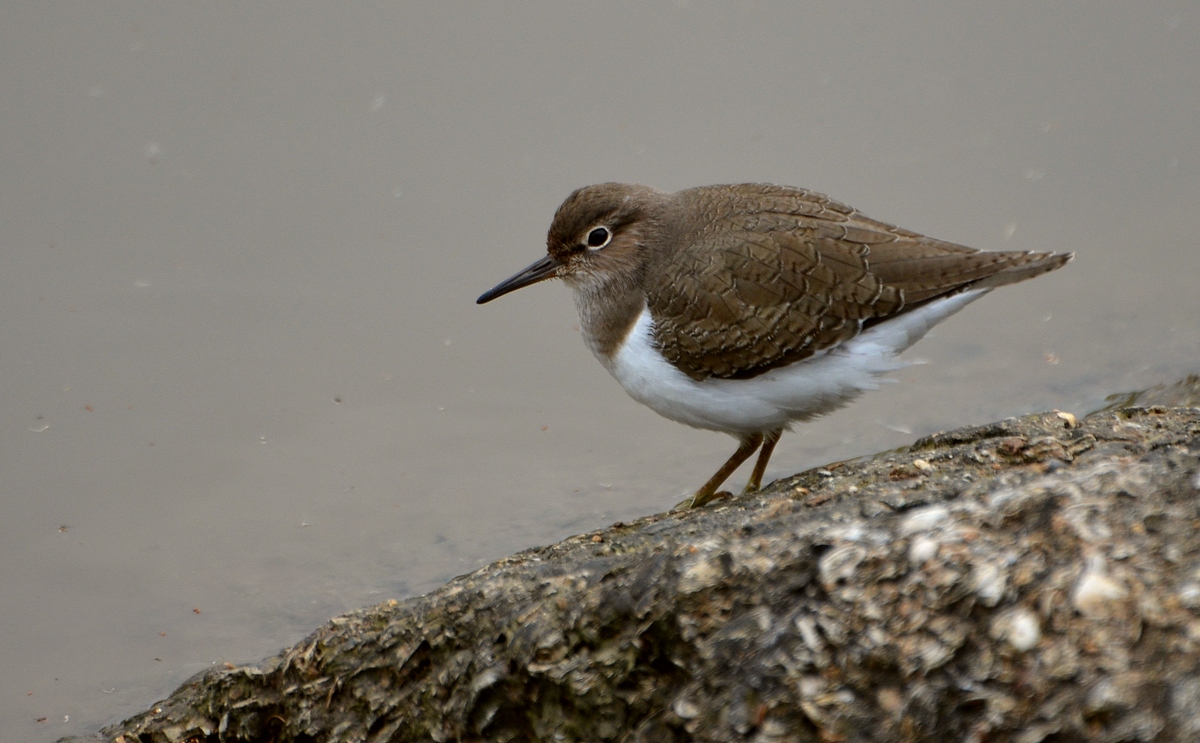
598,237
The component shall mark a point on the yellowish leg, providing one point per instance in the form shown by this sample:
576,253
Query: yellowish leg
760,467
709,489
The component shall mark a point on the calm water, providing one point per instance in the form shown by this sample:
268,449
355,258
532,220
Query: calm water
245,386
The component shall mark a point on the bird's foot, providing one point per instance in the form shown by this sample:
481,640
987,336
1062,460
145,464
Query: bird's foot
701,499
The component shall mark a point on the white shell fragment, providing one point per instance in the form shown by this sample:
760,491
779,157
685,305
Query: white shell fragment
1096,591
922,550
922,519
989,582
1020,627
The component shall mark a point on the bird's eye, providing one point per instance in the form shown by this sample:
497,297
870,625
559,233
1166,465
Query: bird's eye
598,238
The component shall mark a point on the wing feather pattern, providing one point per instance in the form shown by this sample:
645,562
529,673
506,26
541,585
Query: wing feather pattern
773,275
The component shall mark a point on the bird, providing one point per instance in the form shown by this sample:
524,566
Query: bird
746,308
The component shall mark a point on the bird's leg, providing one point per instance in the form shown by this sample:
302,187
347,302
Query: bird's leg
760,467
709,489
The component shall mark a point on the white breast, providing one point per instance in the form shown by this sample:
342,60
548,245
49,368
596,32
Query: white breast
772,400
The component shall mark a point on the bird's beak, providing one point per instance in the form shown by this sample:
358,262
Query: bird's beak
540,270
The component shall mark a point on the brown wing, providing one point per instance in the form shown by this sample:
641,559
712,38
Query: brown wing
773,275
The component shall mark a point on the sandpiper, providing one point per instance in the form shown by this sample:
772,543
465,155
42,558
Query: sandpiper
745,308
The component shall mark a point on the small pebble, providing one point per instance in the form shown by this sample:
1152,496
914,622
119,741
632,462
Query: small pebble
989,583
1095,594
1024,630
922,550
686,708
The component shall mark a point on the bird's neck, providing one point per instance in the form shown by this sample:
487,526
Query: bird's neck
608,310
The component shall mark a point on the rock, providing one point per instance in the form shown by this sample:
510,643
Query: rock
1032,579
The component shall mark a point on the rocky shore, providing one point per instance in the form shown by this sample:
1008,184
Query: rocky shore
1035,579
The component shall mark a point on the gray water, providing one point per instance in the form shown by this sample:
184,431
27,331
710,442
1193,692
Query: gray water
245,385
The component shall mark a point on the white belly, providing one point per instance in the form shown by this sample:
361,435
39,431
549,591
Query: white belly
775,399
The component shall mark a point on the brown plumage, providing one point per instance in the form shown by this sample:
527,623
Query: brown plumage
765,276
740,293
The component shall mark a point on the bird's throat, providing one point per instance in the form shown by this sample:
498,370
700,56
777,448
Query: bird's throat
607,314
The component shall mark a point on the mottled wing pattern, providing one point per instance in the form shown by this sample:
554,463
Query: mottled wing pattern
773,275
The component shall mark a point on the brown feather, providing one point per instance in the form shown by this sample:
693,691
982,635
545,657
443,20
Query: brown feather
766,276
